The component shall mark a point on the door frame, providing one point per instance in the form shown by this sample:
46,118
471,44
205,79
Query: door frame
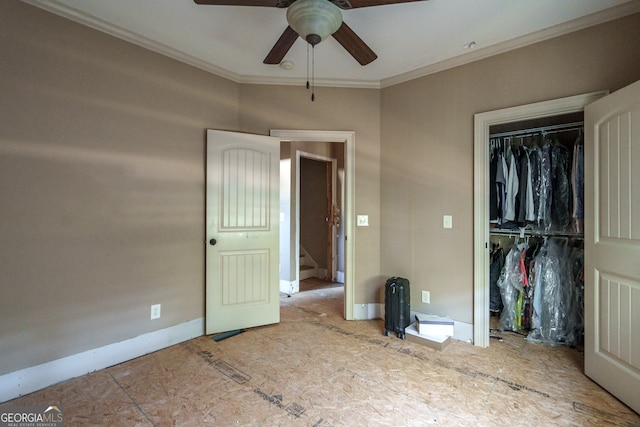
482,123
332,258
348,138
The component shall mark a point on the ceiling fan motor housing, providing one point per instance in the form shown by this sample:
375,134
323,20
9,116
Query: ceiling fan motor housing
314,20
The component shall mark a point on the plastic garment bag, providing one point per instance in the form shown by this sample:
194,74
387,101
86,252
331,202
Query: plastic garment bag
561,202
495,268
557,315
511,283
545,188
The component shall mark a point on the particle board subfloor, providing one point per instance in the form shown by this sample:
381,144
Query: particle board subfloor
316,369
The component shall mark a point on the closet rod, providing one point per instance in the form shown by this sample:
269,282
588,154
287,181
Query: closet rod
541,129
534,233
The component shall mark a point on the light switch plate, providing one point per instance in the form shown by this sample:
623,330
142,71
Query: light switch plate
363,220
447,221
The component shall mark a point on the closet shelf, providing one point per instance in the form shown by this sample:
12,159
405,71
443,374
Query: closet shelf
534,233
542,129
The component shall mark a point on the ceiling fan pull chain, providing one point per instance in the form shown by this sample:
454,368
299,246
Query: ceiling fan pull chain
307,66
313,73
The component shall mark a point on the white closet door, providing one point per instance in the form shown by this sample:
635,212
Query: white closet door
612,244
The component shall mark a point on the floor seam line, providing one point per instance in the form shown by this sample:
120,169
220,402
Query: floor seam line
131,399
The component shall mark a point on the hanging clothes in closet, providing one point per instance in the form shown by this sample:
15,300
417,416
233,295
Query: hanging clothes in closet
577,184
535,180
558,294
542,289
495,268
513,284
536,188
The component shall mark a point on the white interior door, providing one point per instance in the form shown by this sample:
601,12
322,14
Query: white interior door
242,231
612,244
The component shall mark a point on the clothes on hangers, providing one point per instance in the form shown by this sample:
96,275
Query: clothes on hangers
526,211
500,184
534,181
540,182
544,209
557,316
512,186
539,185
495,268
512,283
561,202
493,189
577,180
542,290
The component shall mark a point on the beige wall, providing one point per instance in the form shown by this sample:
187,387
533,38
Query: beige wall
101,186
427,149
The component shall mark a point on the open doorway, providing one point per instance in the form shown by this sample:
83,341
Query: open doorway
336,144
319,216
312,191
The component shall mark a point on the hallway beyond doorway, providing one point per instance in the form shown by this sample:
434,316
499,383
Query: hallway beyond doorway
314,283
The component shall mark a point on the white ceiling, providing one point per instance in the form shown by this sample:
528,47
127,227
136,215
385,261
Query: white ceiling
410,39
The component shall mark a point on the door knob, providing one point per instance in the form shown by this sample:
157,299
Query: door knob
212,242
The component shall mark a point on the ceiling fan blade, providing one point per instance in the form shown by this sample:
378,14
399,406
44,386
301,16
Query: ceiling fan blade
368,3
266,3
282,46
354,45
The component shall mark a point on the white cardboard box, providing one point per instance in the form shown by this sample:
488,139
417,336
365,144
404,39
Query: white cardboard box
433,325
434,342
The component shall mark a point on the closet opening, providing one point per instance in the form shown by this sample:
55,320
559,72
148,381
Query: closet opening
556,120
536,229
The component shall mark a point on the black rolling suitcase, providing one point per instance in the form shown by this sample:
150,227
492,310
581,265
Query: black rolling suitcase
396,306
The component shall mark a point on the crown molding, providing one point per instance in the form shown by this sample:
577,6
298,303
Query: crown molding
75,15
301,81
558,30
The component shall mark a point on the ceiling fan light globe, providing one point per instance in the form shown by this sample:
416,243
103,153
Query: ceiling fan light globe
316,18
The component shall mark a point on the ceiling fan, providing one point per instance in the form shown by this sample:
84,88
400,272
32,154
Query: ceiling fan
314,20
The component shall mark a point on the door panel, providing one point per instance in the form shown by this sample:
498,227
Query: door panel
242,256
612,244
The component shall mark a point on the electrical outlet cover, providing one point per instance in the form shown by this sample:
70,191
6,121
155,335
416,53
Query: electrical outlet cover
426,297
155,311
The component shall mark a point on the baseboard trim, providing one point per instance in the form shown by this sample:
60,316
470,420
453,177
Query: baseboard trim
28,380
368,311
289,288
